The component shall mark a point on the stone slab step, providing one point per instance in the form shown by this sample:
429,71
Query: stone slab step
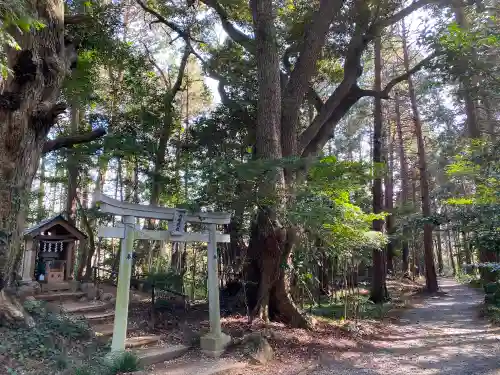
138,341
150,356
59,296
84,307
106,330
47,287
202,367
95,317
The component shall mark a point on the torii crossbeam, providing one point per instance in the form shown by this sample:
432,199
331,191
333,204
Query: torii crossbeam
214,342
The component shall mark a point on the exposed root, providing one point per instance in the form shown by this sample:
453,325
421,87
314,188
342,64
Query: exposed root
13,312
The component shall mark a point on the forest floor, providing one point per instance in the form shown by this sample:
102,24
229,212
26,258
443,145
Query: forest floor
442,335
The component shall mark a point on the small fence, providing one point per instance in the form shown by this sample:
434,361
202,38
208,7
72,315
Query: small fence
162,297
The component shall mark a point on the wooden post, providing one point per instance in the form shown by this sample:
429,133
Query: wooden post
122,294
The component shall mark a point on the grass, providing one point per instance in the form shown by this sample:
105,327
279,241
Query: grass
352,306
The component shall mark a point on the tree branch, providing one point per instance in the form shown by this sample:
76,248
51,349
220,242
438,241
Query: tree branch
176,28
75,19
69,141
314,98
236,35
151,59
384,94
182,68
404,13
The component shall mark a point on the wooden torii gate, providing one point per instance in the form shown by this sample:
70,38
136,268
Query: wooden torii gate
215,341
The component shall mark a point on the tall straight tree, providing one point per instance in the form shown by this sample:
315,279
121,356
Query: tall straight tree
430,269
379,288
405,182
388,197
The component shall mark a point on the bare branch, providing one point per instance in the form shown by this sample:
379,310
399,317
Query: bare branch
151,59
182,69
176,28
236,35
69,141
75,19
384,94
404,13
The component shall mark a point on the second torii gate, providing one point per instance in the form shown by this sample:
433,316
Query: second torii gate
215,341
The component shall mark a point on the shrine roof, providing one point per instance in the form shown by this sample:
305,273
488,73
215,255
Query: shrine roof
57,223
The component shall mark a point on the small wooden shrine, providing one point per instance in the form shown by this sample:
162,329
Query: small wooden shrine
49,250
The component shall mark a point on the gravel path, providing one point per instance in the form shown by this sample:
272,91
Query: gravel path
442,336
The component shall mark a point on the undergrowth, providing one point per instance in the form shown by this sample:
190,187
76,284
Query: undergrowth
492,312
57,343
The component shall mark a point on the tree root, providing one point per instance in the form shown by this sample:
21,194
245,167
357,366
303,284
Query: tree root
12,311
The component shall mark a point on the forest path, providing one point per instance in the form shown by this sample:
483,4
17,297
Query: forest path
443,335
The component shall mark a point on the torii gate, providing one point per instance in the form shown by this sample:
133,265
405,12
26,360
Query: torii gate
215,341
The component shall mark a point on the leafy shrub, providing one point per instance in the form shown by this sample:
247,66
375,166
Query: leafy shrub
124,362
169,280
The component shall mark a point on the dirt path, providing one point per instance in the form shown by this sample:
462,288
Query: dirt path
442,336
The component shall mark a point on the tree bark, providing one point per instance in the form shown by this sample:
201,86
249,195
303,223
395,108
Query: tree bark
430,269
389,202
439,252
450,253
40,211
466,81
270,244
379,288
28,112
405,183
72,167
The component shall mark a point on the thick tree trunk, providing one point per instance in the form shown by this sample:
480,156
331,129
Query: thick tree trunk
271,244
430,269
72,166
466,81
29,109
40,210
389,202
379,288
404,182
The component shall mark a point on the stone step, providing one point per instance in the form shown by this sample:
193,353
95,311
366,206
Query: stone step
106,330
59,296
84,307
150,356
98,316
48,287
202,367
138,341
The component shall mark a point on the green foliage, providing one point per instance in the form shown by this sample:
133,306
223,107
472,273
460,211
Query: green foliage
16,18
123,363
168,279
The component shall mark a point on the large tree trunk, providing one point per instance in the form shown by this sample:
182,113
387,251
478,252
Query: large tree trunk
29,109
379,288
271,244
389,202
430,269
72,166
405,184
40,210
466,81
